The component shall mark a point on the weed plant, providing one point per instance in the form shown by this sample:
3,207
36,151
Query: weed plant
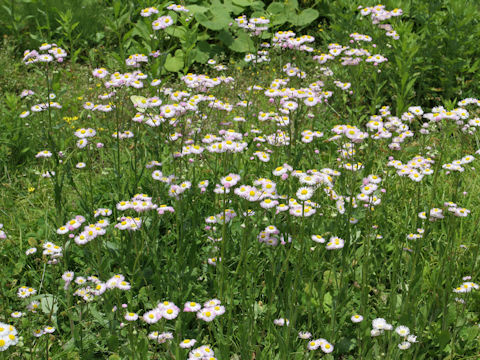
278,207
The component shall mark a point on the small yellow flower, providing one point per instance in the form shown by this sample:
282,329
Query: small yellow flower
31,189
80,98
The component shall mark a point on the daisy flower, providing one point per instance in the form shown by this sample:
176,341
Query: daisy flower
318,239
31,251
131,316
335,243
304,335
191,306
327,347
281,322
151,317
206,314
187,343
170,312
356,318
402,330
304,193
49,330
313,345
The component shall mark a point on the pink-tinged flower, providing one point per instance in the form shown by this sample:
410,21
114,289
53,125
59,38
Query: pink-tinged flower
218,309
304,335
327,347
230,180
170,312
313,345
131,316
164,208
100,73
148,11
163,337
191,307
356,318
187,343
123,285
152,316
206,314
68,276
162,22
49,330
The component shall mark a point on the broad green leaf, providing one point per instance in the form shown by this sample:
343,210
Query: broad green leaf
291,4
48,304
276,8
196,9
215,21
231,8
243,43
225,37
177,31
201,56
258,6
304,18
243,2
204,52
174,63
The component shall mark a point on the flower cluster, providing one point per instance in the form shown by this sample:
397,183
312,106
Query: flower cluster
255,25
8,336
45,54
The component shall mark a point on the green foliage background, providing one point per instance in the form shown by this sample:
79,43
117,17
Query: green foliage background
441,53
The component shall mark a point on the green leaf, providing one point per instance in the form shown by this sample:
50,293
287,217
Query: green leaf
99,317
195,9
291,4
7,9
203,53
327,301
48,304
216,21
304,18
224,36
177,31
258,6
174,63
345,345
243,43
243,3
230,7
276,8
444,338
110,245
